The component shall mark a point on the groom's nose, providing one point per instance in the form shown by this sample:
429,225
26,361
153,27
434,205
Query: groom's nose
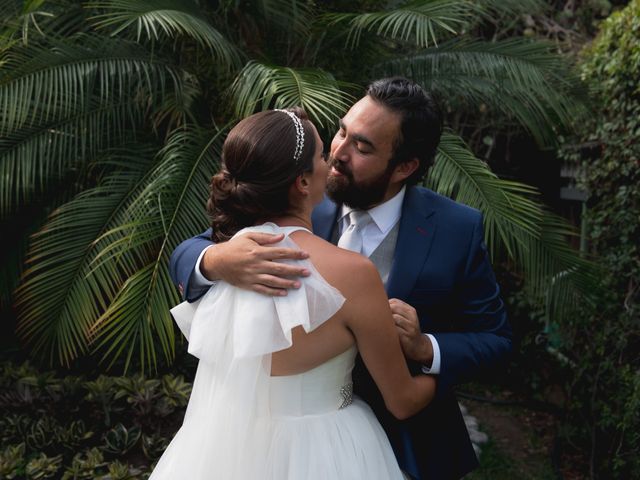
339,149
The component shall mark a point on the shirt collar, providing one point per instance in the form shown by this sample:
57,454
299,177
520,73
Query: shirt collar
385,215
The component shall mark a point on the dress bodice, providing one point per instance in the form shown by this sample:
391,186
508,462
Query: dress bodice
325,388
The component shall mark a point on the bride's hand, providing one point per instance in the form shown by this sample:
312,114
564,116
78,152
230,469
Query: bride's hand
415,344
247,261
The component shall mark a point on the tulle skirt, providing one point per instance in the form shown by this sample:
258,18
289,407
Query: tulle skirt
347,443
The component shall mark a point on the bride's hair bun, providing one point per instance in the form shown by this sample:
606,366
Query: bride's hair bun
222,185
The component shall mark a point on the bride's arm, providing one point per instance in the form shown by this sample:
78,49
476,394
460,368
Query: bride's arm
369,318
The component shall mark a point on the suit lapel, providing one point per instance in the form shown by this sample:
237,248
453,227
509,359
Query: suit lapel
324,218
415,237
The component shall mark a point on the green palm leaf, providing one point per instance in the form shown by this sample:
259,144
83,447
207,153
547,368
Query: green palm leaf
60,297
259,87
52,95
42,81
169,207
33,160
534,238
458,174
155,19
288,15
420,22
138,318
521,80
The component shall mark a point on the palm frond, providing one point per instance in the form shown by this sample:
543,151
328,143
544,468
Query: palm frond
138,318
420,22
570,290
288,15
170,207
40,82
514,222
458,174
173,19
34,159
521,80
60,297
62,105
260,87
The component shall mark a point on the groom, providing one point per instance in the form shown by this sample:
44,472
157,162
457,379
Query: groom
428,249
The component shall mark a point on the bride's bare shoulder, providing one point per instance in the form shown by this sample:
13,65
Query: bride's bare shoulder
341,267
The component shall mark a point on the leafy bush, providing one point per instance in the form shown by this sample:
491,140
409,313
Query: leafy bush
603,340
73,428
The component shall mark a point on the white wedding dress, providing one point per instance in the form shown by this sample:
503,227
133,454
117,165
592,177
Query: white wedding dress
241,423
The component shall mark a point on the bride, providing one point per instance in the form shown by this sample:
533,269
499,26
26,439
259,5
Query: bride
272,397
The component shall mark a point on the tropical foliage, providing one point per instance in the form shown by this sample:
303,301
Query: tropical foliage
602,342
74,428
112,114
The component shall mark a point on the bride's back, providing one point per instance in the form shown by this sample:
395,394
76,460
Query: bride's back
346,271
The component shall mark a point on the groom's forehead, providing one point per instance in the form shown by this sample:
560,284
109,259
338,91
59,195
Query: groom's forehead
371,120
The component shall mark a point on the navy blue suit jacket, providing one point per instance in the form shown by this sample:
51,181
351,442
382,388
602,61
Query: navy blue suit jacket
441,267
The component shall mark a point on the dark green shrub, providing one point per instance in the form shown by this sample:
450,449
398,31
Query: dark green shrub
42,431
120,439
12,461
102,391
603,341
85,465
43,466
154,445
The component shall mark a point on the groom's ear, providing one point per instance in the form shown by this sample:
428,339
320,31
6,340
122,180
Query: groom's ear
404,170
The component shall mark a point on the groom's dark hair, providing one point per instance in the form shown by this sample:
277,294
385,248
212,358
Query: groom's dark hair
420,125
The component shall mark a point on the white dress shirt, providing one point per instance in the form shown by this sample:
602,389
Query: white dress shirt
384,216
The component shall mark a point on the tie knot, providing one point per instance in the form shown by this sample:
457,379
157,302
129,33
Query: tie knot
351,238
359,218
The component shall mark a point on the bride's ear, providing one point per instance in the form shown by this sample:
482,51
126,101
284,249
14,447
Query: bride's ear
302,184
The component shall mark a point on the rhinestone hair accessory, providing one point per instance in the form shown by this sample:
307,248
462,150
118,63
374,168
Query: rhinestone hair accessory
297,123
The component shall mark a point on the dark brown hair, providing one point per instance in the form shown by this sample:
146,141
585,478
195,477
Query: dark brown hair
258,168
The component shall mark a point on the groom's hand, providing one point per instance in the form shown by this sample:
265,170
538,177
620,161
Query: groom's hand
415,344
247,261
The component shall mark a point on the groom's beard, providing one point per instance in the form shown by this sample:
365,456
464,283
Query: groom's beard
357,195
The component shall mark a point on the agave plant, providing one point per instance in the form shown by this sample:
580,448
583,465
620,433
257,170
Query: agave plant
43,433
102,391
42,467
121,471
12,461
85,465
141,393
112,114
73,435
120,439
15,427
154,445
176,390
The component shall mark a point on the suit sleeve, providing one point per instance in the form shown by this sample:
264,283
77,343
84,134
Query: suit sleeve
482,336
183,261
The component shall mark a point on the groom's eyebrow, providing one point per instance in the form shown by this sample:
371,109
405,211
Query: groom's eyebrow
356,136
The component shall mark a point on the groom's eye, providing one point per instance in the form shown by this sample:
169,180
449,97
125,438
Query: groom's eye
362,148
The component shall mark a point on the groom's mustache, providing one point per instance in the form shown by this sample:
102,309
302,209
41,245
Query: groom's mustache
339,166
